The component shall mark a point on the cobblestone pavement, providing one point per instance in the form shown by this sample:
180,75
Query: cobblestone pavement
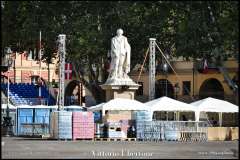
24,148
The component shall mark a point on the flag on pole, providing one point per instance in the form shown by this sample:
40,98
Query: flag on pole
68,71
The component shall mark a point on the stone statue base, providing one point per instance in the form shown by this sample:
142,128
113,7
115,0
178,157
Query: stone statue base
120,81
120,88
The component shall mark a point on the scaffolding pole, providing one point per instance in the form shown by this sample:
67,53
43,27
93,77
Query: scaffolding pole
40,67
62,53
152,68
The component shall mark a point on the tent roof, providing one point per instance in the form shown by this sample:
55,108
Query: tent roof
96,108
215,105
169,104
119,104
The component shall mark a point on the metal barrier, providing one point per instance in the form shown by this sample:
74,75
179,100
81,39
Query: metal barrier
34,128
171,130
31,101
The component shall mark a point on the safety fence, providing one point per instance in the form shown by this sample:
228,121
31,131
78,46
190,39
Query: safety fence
171,130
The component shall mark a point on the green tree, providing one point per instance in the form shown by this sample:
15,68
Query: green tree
181,28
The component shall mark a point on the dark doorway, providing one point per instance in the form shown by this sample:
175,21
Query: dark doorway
164,88
211,88
73,93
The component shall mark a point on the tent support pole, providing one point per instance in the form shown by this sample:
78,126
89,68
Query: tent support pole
220,119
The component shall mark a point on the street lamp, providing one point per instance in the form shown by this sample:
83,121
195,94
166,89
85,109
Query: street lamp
177,88
165,69
7,120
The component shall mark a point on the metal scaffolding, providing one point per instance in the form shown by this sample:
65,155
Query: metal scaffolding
152,69
62,53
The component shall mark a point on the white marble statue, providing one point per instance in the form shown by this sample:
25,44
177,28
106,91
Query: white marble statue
120,55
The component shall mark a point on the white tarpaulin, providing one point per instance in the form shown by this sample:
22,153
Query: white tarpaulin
119,104
74,107
4,106
214,105
36,106
169,104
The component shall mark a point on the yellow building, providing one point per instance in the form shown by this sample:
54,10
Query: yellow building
25,68
193,84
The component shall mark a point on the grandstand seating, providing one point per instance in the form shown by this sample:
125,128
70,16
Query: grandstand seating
25,93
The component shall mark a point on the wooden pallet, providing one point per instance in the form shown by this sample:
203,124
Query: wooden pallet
83,139
173,140
64,139
128,139
192,138
31,136
60,139
45,136
140,139
115,139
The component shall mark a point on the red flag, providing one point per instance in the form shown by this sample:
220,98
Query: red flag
68,71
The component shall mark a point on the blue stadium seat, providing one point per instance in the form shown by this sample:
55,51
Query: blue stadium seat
22,93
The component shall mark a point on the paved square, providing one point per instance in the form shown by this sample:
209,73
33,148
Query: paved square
24,148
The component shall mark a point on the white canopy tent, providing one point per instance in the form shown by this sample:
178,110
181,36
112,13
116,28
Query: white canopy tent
214,105
169,105
119,104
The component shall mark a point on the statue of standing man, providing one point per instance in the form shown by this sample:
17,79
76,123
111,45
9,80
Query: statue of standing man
120,56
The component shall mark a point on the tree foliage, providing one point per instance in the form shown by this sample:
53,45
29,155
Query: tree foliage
182,28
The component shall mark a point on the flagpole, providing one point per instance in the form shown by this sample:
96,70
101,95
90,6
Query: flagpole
40,74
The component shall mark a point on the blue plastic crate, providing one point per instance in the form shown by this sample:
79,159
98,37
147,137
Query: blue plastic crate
24,116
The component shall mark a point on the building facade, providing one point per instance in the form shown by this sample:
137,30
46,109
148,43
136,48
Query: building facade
189,82
24,69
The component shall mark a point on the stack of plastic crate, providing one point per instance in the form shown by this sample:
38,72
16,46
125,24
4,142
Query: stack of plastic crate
115,130
83,125
61,125
25,115
170,131
97,116
125,126
141,117
42,115
155,129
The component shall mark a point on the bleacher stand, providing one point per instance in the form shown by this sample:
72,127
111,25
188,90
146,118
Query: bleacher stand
25,93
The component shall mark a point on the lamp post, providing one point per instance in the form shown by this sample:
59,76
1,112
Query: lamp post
177,88
165,69
7,120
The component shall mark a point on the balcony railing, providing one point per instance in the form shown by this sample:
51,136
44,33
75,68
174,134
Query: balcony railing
30,101
211,67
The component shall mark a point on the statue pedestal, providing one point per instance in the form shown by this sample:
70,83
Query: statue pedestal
120,89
